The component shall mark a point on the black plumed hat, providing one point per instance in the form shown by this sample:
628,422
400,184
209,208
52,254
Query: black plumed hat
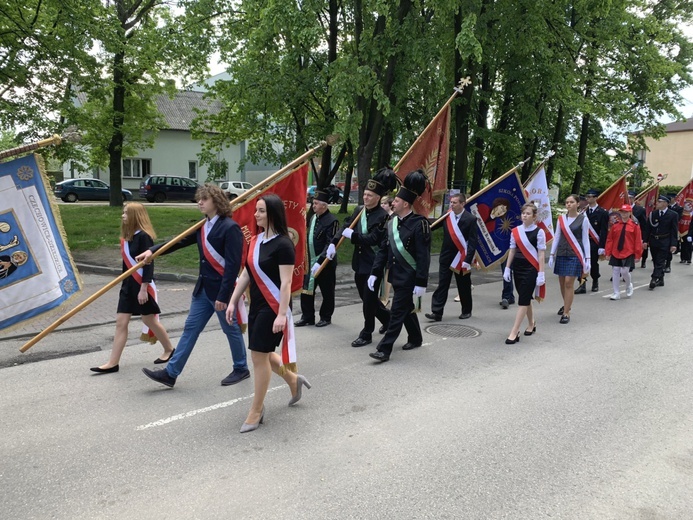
384,181
413,186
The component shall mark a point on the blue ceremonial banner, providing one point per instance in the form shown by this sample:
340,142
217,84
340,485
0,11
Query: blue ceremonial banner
497,212
36,270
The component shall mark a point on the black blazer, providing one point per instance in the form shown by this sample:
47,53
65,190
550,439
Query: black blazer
227,240
600,222
470,232
366,245
415,233
662,232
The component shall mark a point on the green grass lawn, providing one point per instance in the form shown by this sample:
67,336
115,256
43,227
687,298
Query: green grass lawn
92,228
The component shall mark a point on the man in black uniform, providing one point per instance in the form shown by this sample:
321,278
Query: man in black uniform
322,229
599,220
456,256
660,235
407,252
639,213
366,236
673,206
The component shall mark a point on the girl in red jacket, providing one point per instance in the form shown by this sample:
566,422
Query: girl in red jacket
624,247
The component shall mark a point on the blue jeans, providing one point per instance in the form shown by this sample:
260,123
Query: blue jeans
201,310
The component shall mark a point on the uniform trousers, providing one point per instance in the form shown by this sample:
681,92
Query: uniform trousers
401,314
659,260
594,261
372,306
685,250
326,283
464,289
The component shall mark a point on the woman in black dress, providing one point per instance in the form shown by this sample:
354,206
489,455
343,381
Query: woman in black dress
526,262
268,272
136,293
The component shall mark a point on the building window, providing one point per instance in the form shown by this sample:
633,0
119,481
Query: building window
192,169
136,168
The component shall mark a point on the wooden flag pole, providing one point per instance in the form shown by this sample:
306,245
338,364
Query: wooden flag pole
236,203
458,90
55,139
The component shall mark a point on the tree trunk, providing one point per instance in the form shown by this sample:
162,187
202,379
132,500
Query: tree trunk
481,121
556,143
115,145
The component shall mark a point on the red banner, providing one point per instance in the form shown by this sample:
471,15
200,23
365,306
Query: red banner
292,190
685,200
614,196
430,154
648,198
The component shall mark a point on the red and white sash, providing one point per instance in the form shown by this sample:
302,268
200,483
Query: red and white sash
573,241
592,232
147,335
459,241
218,263
272,294
531,255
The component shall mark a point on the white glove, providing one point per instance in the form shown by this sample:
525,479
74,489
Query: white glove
347,233
506,274
314,269
466,266
371,282
331,251
588,266
541,279
690,239
419,291
601,251
551,262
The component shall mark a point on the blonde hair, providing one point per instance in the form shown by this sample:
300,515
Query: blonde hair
137,219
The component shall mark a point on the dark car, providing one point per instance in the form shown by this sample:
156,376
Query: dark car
159,188
73,190
336,195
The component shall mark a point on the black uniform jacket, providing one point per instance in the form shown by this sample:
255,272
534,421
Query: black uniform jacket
366,245
600,223
415,233
326,227
662,232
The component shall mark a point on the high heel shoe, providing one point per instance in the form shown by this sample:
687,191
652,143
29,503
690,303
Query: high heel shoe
110,370
251,427
509,341
300,383
530,332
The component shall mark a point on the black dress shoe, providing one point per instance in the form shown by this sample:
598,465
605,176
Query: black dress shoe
235,377
159,361
380,356
361,342
303,322
643,265
433,316
509,341
411,346
160,376
560,311
595,287
111,370
667,269
382,329
323,323
660,282
465,315
581,289
653,283
504,303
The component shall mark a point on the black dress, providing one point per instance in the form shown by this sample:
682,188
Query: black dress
277,251
524,273
127,302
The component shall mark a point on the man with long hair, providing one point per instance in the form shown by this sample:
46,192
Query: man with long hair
220,243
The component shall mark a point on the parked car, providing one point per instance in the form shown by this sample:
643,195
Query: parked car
235,188
72,190
336,195
159,188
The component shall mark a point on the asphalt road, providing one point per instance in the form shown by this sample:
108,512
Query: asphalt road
590,420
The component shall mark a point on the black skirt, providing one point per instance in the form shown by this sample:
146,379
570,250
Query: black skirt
628,262
260,335
128,304
525,276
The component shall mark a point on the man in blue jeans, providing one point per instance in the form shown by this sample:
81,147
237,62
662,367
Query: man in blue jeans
220,244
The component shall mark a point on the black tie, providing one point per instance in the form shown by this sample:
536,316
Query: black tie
622,238
661,213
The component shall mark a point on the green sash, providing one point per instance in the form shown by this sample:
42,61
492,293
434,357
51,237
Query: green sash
399,249
309,284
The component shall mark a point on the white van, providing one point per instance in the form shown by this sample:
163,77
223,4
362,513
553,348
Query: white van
234,188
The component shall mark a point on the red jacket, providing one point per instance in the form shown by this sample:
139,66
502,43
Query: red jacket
633,242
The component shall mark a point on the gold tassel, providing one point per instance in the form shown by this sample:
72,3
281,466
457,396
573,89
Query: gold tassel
290,367
148,339
244,327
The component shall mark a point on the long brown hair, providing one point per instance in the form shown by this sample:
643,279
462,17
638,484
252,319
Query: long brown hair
219,198
137,219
